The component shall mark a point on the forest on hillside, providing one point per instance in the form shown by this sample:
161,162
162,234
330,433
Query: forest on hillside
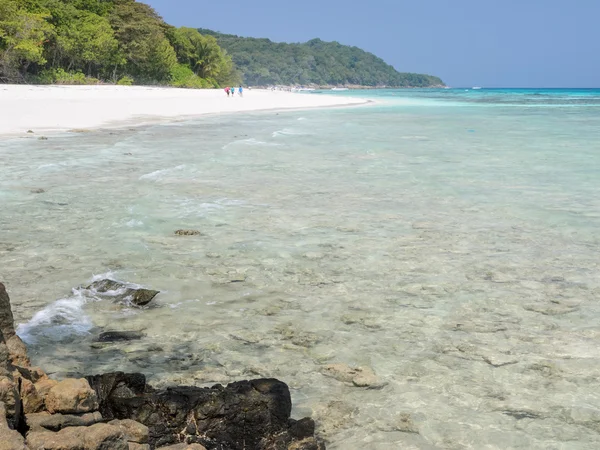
117,41
263,62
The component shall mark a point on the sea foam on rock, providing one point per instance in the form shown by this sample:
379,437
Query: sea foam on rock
119,411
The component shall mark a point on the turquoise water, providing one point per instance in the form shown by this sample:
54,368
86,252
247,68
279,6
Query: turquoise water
446,239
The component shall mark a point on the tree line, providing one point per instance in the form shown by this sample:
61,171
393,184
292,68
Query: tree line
116,41
263,62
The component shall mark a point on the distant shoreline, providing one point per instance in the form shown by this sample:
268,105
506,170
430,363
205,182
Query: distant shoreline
60,108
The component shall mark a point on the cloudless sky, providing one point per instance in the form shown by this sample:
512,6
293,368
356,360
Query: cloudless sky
490,43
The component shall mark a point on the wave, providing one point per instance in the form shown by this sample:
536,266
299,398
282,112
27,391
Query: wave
288,132
158,174
65,319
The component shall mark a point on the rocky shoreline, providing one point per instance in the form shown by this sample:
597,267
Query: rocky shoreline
120,411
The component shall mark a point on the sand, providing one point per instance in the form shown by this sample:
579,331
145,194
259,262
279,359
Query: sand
62,108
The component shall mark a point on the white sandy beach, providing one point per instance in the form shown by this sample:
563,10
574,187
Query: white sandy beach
61,108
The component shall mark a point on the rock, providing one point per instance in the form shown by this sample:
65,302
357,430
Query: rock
44,386
6,316
183,447
188,233
359,376
405,423
136,446
9,439
237,416
55,422
123,293
33,402
307,444
42,138
17,351
95,437
9,398
133,431
29,131
119,336
71,396
104,437
38,191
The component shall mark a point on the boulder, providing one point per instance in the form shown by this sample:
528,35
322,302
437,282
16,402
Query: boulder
136,446
133,431
7,326
71,396
123,293
96,437
33,402
245,414
9,439
55,422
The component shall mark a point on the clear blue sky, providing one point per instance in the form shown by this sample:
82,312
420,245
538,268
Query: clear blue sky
491,43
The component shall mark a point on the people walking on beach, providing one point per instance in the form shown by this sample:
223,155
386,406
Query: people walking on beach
241,91
233,92
227,89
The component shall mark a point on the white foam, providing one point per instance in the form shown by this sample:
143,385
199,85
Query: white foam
288,132
158,174
58,321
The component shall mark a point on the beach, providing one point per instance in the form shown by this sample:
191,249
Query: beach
421,272
62,108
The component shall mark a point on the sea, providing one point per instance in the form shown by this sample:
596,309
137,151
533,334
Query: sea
441,244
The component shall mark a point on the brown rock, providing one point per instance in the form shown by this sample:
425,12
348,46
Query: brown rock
17,351
67,439
96,437
33,402
357,376
104,437
7,326
55,422
9,439
183,447
71,396
136,446
134,431
44,386
9,397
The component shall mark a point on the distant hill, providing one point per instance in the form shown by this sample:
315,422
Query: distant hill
263,62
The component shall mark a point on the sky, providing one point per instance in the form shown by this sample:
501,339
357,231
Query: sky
488,43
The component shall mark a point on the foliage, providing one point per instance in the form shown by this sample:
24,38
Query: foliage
124,41
60,76
125,81
263,62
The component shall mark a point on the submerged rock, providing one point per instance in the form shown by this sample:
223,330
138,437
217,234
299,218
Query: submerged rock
121,292
188,233
357,376
119,336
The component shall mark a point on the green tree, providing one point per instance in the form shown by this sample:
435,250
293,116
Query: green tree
22,37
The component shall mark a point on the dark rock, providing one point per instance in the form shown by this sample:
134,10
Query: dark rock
119,336
6,316
188,233
42,138
38,191
243,415
123,293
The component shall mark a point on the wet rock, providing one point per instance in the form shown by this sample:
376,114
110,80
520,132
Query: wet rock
38,191
42,138
405,423
307,444
133,431
188,233
121,292
237,416
6,316
55,422
71,396
119,336
357,376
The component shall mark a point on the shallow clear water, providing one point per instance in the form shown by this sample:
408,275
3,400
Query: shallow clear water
447,239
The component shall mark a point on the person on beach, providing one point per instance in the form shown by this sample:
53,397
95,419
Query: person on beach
241,91
227,89
233,92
